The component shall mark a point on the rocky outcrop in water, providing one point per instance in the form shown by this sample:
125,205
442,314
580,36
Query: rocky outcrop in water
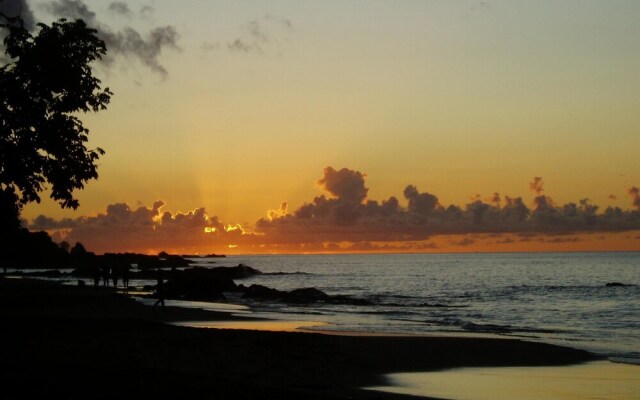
617,284
297,296
199,283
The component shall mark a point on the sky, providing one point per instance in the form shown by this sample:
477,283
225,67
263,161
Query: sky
231,120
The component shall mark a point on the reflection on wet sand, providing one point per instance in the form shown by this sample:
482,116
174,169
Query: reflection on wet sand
254,325
600,380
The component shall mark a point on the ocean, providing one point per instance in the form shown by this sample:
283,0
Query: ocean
559,298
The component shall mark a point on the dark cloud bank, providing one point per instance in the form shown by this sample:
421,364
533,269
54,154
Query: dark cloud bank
122,228
127,42
345,214
14,8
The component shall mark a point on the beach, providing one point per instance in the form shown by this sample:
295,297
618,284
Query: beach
76,342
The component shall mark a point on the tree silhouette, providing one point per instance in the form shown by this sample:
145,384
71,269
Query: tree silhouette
46,83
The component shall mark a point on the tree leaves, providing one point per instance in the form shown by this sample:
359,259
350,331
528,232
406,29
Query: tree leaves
48,81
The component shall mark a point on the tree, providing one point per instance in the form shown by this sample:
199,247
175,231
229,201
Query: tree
46,84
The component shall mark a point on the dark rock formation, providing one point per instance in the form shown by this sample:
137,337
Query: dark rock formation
617,284
197,284
240,271
297,296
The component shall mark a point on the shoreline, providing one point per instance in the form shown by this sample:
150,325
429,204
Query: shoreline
112,344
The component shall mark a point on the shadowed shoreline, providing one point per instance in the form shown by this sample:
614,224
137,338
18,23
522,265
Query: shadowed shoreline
76,342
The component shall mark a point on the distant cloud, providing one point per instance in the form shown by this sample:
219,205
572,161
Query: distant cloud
144,228
466,241
420,203
348,216
345,184
120,8
571,239
12,9
506,240
15,8
266,35
536,185
634,192
345,219
208,46
127,42
147,11
481,6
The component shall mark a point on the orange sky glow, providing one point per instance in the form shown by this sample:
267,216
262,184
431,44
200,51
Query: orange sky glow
344,220
347,126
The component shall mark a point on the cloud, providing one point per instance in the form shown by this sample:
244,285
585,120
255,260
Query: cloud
208,46
72,9
536,185
268,34
495,199
344,218
147,11
14,8
506,240
45,223
421,203
349,216
481,6
634,192
345,184
466,241
120,8
126,42
145,229
571,239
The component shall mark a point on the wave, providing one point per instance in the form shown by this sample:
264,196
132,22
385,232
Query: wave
422,305
632,358
280,273
386,312
391,300
492,328
607,285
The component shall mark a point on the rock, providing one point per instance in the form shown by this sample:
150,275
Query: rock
240,271
297,296
197,284
616,284
306,295
262,292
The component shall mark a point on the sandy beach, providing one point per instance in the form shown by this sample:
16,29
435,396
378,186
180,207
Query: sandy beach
76,342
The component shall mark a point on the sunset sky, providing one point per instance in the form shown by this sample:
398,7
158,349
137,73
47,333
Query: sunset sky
232,108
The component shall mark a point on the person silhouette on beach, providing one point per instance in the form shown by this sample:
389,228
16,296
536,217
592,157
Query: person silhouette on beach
95,270
115,276
125,276
160,291
105,275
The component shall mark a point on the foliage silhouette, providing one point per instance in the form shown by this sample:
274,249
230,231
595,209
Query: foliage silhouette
46,83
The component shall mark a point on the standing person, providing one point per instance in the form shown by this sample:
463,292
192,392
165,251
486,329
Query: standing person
105,275
160,291
115,275
95,270
125,276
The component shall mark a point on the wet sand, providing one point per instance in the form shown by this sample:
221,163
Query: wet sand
601,380
78,343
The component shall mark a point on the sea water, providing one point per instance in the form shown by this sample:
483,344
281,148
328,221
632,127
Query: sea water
559,298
